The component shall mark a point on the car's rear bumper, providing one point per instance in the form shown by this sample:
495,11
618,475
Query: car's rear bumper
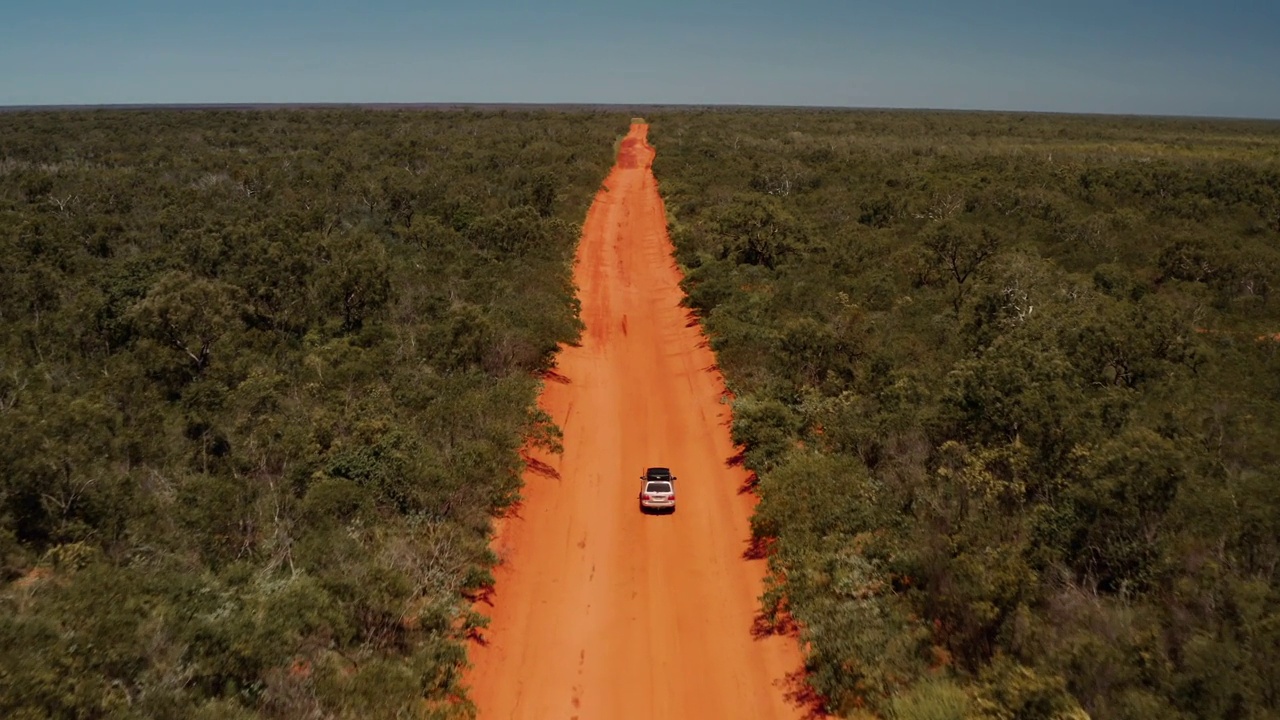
657,505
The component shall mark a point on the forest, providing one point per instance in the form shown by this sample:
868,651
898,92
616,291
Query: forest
1009,388
265,377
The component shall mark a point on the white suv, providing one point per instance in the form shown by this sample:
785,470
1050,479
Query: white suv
657,490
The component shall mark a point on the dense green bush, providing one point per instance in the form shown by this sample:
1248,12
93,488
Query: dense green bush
1001,379
264,378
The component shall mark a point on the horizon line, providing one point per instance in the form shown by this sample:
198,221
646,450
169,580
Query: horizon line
304,105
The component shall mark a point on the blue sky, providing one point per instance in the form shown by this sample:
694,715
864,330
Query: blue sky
1177,57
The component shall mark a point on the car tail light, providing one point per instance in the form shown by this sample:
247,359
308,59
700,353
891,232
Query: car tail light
647,496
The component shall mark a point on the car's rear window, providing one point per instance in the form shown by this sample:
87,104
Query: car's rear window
658,487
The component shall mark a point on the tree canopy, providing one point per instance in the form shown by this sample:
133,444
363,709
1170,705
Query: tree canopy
1010,385
264,380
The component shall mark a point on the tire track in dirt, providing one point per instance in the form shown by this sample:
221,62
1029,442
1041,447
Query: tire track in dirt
598,611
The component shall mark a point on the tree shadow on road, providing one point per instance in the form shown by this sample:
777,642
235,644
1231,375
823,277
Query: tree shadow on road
758,548
775,619
752,480
795,686
555,376
538,467
778,622
476,635
480,595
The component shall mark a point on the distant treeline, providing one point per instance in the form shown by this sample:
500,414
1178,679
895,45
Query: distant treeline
1010,392
264,377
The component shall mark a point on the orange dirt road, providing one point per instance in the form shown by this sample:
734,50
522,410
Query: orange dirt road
600,612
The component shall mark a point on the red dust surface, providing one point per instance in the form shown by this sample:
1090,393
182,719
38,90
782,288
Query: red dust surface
599,612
